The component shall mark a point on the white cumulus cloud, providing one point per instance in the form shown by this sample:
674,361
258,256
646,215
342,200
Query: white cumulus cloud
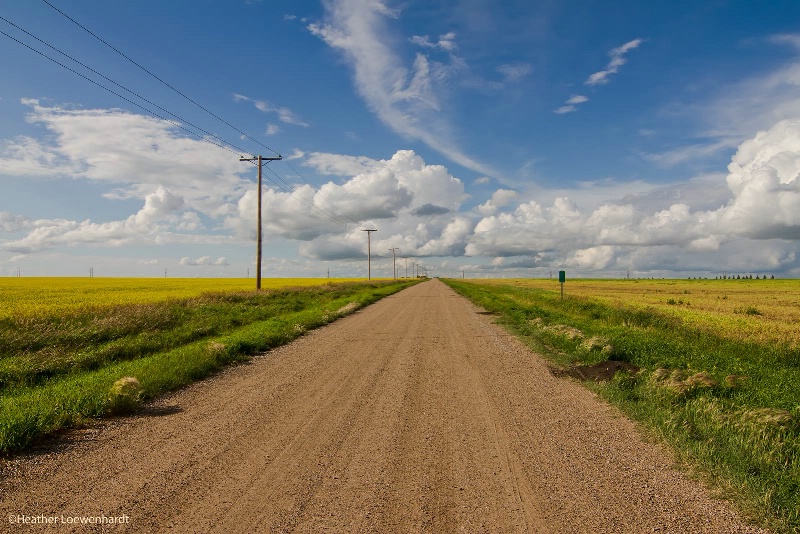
762,209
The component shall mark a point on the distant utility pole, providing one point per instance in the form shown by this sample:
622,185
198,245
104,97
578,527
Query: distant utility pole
406,258
91,272
369,253
394,259
165,272
260,159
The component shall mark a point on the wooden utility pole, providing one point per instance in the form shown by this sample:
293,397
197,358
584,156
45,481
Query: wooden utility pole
394,259
260,159
369,253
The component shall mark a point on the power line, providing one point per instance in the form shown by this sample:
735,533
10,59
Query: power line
90,32
170,86
120,96
120,85
302,199
178,125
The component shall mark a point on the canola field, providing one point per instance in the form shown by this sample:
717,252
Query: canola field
761,311
38,297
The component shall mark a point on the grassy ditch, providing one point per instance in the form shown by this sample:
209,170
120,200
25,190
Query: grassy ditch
728,406
56,370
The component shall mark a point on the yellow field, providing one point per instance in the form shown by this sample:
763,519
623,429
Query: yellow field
749,310
26,297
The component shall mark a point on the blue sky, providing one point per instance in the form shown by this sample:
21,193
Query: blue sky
507,138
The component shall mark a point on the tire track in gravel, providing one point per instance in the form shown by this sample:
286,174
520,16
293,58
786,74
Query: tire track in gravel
417,414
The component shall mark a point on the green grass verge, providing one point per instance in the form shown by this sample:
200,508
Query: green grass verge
742,433
197,336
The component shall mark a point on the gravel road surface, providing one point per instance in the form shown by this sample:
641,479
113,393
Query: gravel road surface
416,414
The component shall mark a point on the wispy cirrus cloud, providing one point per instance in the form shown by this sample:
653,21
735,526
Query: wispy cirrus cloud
204,260
600,77
752,104
571,104
791,39
693,152
577,99
514,72
284,114
404,97
565,109
617,60
446,41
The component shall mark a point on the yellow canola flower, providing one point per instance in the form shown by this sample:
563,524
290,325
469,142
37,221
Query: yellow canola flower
37,297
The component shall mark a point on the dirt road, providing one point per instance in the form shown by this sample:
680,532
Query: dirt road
415,414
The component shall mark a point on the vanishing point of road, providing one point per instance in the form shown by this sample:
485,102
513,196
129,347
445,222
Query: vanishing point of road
416,414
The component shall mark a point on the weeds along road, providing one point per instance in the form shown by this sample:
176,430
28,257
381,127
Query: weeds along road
415,414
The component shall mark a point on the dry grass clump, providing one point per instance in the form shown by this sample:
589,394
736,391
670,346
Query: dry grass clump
597,344
125,395
347,308
768,417
701,380
679,383
566,331
563,330
735,381
215,347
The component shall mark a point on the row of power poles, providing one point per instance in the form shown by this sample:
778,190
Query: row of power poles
415,267
260,162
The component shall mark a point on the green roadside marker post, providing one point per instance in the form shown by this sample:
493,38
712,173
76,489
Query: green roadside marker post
562,277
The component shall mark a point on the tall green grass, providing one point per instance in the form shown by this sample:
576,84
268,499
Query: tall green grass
743,433
57,372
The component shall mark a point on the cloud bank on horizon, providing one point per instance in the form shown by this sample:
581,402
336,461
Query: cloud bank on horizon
417,206
162,190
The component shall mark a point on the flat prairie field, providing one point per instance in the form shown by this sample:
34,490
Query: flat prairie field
34,296
761,311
